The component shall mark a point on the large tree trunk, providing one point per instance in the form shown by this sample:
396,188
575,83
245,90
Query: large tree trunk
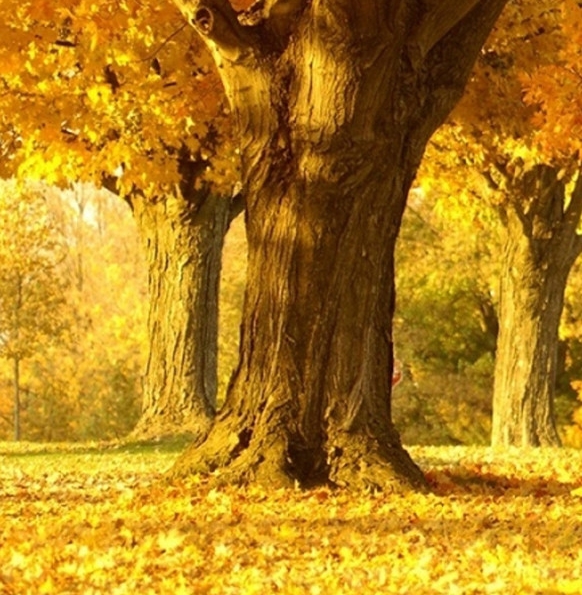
335,102
541,247
183,240
311,395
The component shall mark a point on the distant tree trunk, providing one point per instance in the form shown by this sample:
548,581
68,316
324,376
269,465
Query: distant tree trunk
16,392
542,245
335,102
183,240
17,354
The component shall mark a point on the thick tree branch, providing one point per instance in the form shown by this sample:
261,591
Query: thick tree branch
577,245
441,16
217,22
447,66
273,20
567,239
278,15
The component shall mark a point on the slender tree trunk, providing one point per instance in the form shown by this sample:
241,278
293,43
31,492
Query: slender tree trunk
183,241
17,354
335,102
16,389
541,247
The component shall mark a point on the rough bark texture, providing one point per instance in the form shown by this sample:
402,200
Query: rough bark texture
183,241
16,387
335,102
542,244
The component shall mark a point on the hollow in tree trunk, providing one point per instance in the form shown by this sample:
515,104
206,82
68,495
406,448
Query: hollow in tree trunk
541,247
335,102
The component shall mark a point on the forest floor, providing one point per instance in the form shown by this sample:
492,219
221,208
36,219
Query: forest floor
89,519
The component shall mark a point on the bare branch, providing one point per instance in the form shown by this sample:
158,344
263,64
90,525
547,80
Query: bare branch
165,42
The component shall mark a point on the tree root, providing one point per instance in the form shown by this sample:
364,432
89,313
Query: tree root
360,463
230,455
236,453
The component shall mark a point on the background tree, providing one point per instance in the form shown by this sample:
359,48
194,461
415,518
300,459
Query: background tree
31,290
134,106
515,127
334,103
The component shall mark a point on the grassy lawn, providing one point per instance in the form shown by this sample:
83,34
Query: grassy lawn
89,518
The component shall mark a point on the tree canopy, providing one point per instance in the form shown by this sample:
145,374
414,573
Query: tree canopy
96,89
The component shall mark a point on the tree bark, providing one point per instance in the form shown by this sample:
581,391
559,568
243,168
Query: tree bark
16,385
183,239
542,245
17,354
335,102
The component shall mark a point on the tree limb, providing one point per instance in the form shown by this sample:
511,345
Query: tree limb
276,11
439,19
281,15
217,22
577,245
447,65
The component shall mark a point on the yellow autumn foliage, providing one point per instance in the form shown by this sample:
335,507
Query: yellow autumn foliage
85,382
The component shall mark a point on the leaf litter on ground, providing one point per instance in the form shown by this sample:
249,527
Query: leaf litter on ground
103,521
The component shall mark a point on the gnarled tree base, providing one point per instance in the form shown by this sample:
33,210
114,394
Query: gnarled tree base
234,454
361,462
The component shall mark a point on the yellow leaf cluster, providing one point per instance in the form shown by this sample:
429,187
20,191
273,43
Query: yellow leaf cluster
523,102
97,80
